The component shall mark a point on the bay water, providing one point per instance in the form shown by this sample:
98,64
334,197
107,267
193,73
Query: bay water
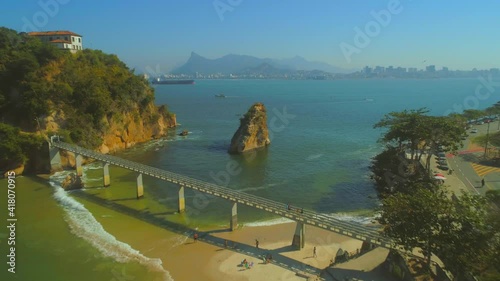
322,139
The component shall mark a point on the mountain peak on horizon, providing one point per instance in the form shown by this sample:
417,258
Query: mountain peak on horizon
234,63
194,54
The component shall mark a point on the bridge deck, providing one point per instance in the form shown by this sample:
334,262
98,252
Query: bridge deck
351,229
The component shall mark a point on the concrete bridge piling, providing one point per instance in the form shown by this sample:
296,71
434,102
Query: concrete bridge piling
106,178
79,168
234,217
140,187
182,200
299,240
55,159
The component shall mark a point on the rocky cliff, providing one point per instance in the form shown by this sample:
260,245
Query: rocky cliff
253,132
90,98
122,131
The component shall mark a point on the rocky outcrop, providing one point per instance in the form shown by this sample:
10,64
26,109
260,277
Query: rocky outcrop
253,132
72,181
130,130
18,171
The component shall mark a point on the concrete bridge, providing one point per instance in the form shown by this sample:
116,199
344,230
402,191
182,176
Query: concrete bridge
301,216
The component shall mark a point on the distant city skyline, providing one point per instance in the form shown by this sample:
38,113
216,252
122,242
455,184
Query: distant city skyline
351,35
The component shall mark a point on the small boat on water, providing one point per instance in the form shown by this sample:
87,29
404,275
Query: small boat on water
220,96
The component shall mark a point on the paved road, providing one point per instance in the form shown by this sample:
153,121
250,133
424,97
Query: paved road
471,167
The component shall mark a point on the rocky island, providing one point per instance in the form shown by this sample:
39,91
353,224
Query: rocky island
253,132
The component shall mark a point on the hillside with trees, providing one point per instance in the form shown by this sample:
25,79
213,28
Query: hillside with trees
91,98
462,230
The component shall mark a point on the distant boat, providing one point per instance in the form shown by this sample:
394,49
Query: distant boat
172,81
220,96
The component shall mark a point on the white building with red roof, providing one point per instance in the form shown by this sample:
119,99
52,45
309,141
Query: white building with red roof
63,39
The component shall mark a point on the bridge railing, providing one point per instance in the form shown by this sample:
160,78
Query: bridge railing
305,216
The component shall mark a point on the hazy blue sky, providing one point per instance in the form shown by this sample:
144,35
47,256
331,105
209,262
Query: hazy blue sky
458,34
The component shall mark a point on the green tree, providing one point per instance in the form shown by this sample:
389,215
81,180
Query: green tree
416,132
440,131
472,114
403,129
417,219
457,231
16,147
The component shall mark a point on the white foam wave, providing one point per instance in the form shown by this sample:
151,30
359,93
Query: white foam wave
84,225
92,166
353,218
268,222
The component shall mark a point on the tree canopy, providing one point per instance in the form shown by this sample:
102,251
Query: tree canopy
88,87
87,90
408,135
457,231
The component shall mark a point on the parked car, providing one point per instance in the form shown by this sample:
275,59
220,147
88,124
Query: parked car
473,131
444,167
442,163
441,154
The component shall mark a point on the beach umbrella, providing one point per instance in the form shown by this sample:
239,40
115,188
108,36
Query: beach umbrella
439,177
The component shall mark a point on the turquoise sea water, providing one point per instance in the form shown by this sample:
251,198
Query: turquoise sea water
318,160
320,152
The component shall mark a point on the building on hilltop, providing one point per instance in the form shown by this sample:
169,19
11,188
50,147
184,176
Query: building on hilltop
65,40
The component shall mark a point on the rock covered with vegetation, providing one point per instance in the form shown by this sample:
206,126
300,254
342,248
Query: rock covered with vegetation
90,98
253,132
463,230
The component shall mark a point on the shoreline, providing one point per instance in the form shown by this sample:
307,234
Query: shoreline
209,257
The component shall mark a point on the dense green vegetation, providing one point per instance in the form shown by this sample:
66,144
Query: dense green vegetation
84,90
463,230
413,132
16,147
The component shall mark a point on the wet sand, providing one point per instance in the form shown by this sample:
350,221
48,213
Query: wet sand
209,259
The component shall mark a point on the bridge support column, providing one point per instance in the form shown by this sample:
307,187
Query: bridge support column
234,217
182,200
55,159
140,187
107,180
79,168
299,237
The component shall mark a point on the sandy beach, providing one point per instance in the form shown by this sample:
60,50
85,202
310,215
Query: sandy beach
210,259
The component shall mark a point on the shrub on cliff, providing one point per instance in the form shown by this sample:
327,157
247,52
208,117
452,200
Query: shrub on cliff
88,87
16,148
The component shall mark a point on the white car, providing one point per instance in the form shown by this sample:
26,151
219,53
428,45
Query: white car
473,131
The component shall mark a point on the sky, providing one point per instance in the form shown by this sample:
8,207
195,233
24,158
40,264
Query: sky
351,34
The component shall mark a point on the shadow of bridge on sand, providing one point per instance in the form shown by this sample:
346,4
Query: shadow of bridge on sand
207,236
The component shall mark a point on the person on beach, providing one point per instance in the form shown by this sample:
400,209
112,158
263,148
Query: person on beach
314,252
195,237
256,243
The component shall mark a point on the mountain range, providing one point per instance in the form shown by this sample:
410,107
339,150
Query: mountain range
240,64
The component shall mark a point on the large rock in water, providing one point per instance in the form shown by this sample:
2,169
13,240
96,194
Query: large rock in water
253,132
72,181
